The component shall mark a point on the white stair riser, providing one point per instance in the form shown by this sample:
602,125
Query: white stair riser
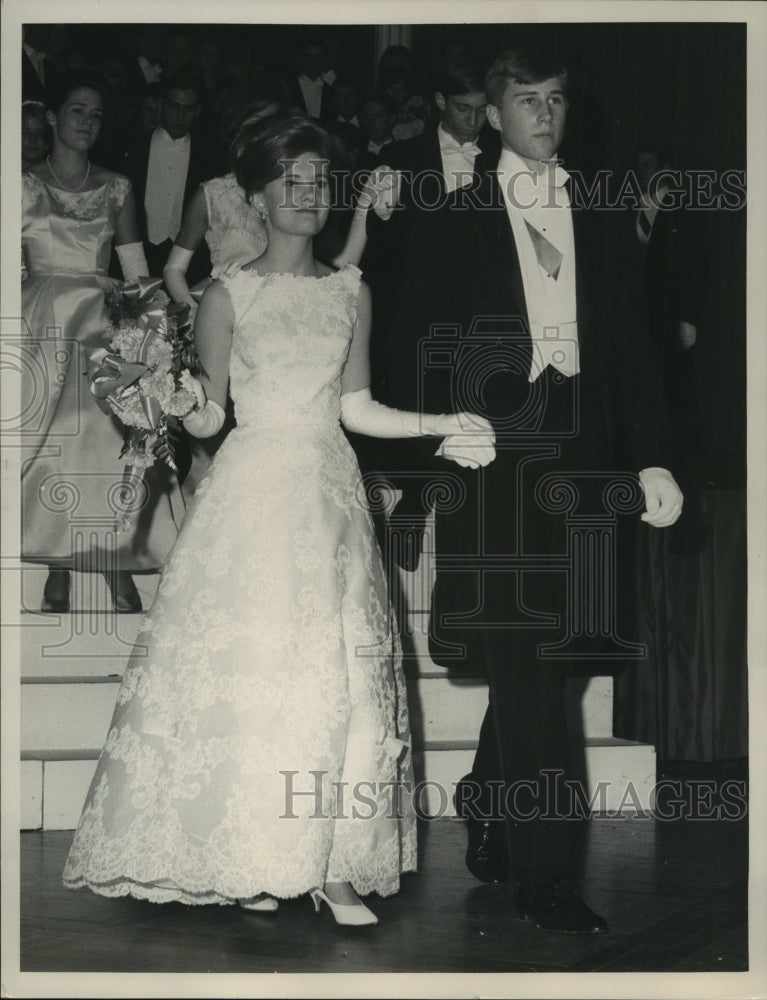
66,716
31,794
88,645
626,773
59,715
53,792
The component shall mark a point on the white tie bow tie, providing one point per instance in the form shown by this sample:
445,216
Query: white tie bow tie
468,148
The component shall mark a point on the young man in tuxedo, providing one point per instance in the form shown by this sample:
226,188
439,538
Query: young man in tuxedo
442,158
310,90
530,309
166,167
431,166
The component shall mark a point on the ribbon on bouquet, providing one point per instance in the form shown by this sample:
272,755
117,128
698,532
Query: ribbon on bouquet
115,376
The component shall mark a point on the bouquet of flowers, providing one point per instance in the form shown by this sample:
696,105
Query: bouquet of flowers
141,376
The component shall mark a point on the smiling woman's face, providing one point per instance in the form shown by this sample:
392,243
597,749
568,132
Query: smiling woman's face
297,202
77,123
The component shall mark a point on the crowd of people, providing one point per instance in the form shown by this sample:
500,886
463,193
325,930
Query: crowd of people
270,649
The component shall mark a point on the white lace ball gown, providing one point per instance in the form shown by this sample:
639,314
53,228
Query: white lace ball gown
269,663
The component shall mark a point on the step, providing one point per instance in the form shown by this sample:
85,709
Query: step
73,713
54,786
89,591
54,783
619,774
75,710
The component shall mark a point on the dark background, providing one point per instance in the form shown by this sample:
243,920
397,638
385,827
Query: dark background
686,82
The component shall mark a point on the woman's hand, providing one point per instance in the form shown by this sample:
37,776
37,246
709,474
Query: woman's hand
381,191
193,385
469,440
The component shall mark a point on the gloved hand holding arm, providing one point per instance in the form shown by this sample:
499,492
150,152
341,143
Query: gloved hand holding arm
362,414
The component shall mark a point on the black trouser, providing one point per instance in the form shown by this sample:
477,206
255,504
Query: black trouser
522,761
507,593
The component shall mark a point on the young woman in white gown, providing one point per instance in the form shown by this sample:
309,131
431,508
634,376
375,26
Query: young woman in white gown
268,666
220,214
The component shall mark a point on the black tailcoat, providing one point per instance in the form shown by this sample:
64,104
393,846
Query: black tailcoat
526,549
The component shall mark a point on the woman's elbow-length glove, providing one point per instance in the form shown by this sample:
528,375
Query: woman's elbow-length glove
469,440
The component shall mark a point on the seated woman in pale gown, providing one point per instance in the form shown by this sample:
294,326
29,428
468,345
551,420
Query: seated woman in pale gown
261,728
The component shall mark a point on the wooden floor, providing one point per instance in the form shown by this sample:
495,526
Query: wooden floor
674,893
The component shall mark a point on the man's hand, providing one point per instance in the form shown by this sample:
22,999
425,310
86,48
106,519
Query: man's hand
688,334
663,498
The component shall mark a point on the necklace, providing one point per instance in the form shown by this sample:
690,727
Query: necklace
59,181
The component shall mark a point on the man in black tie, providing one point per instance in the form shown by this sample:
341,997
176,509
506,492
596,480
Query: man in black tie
39,76
166,167
431,166
672,240
530,310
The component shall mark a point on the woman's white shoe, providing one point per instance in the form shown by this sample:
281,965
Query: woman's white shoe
347,914
261,903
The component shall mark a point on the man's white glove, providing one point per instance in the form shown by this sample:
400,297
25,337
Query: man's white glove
663,498
207,418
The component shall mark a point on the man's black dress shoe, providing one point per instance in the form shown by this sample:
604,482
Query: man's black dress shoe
557,907
56,592
486,856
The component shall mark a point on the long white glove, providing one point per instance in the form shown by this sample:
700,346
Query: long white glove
663,497
207,418
174,274
362,414
132,261
381,191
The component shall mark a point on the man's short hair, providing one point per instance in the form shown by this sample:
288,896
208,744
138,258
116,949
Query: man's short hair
460,77
656,144
378,97
184,79
522,66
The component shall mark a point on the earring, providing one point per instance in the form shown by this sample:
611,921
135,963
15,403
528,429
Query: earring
260,207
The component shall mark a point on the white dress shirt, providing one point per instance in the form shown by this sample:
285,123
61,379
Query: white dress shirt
165,184
541,200
376,147
457,159
312,91
37,59
151,71
649,209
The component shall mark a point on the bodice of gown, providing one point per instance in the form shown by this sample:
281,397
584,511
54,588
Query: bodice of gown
290,342
235,233
69,232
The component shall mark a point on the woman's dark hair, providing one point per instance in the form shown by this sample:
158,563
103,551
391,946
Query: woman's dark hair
266,145
245,105
74,80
